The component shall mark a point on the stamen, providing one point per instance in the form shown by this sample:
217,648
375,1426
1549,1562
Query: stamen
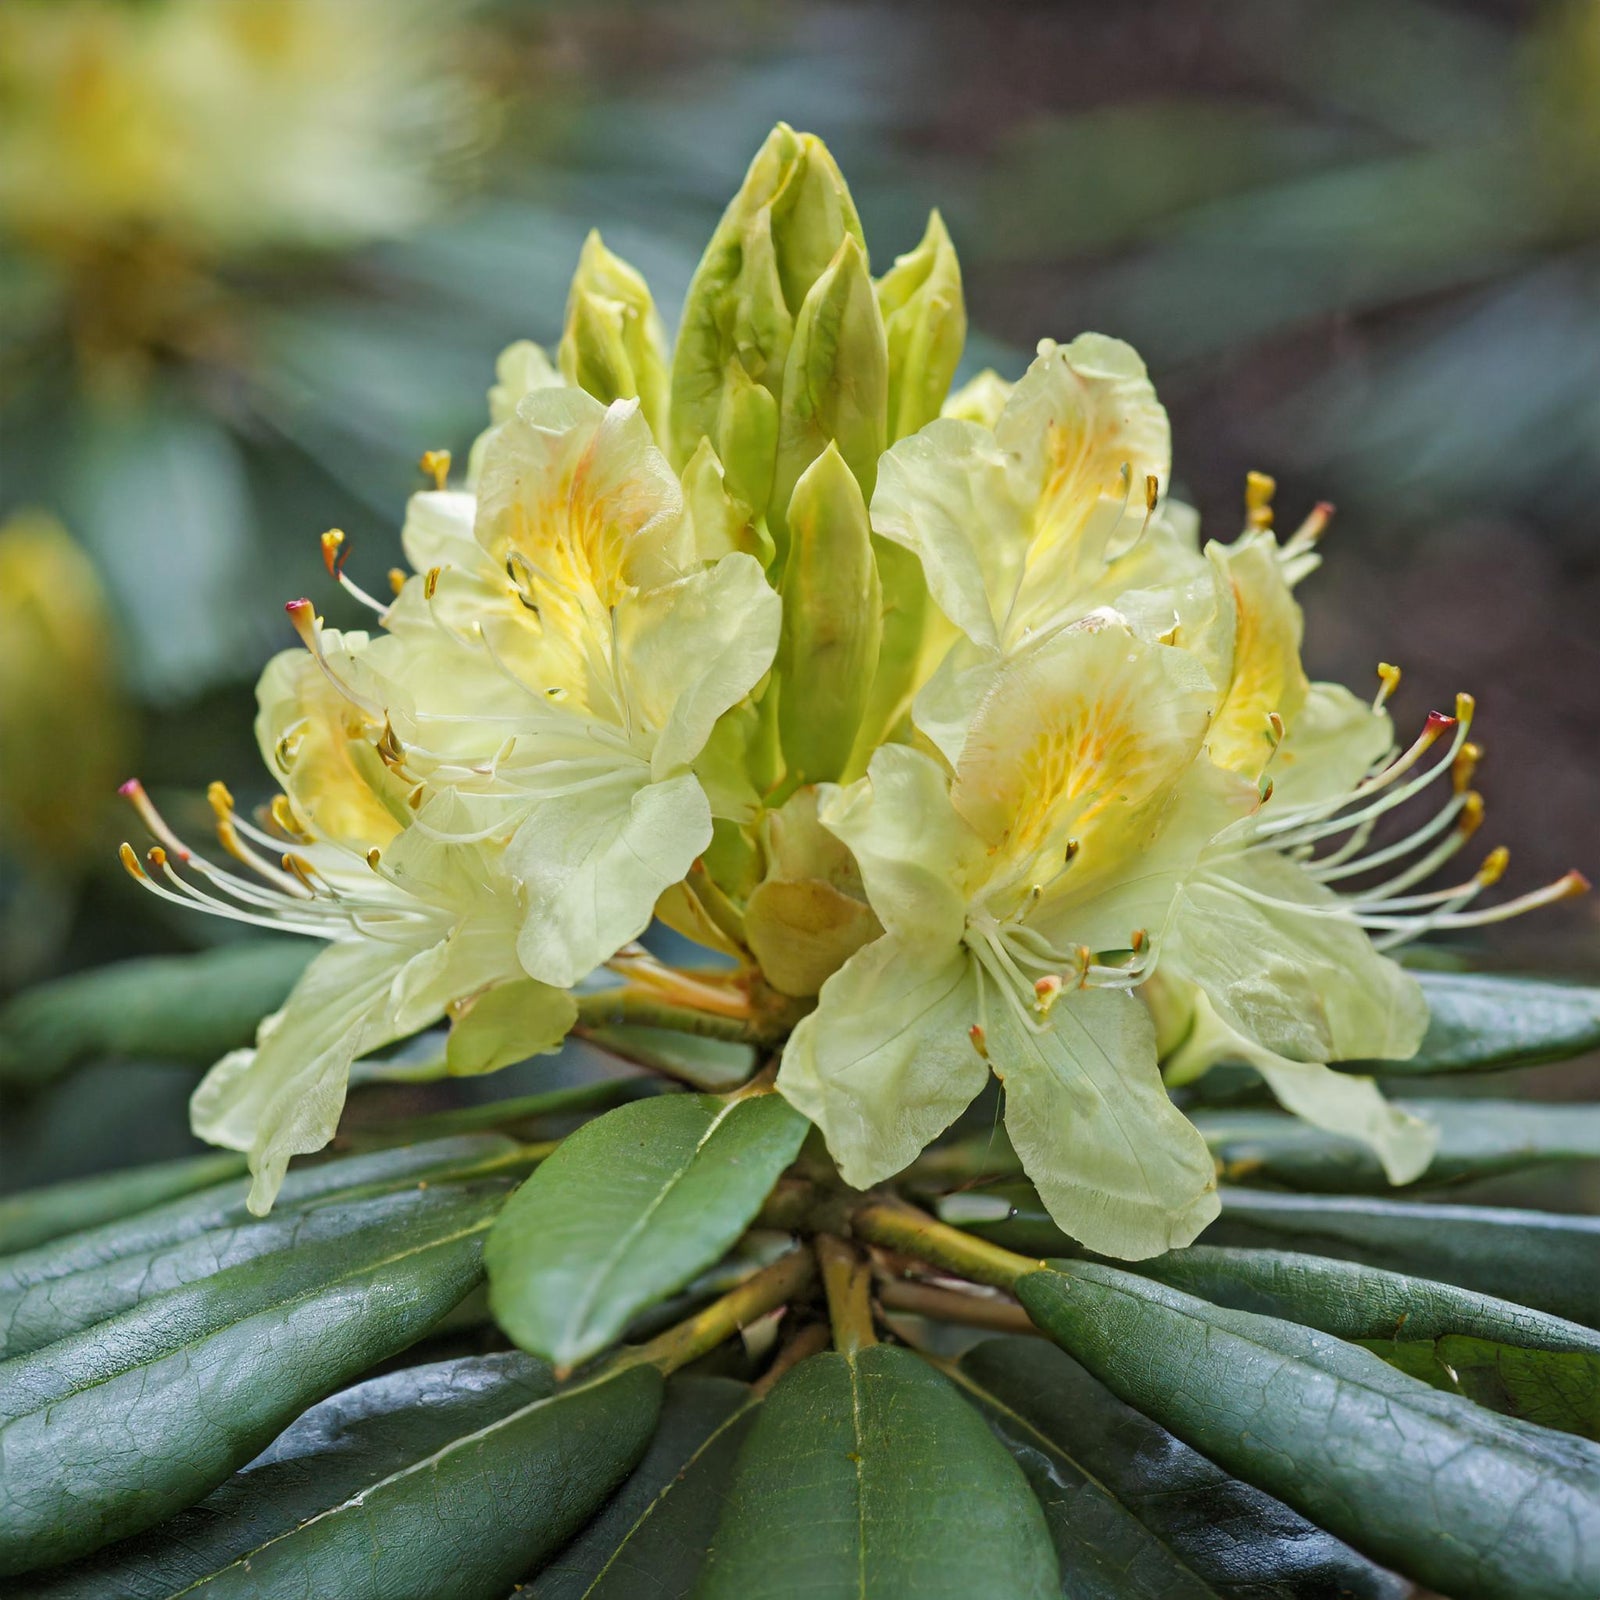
134,792
436,463
1259,488
308,625
980,1039
1388,682
335,552
397,580
1464,766
430,582
1046,991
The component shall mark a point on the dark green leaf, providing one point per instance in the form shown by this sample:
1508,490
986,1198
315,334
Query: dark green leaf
1479,1506
1477,1139
41,1313
1479,1023
334,1451
1356,1301
105,1432
528,1115
650,1542
1137,1515
868,1474
36,1215
222,1206
169,1008
714,1065
1536,1258
629,1209
1556,1389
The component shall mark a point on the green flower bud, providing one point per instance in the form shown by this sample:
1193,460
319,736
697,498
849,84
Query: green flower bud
745,431
832,621
775,239
836,383
613,345
925,321
718,521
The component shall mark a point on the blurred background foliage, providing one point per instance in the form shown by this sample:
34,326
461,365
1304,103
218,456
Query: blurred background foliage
257,255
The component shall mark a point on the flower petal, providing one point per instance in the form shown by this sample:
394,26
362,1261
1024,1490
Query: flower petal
885,1063
1117,1165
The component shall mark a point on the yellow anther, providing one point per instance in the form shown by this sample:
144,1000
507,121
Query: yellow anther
390,751
1071,851
1083,955
980,1040
1388,680
283,814
156,856
130,860
1275,728
374,856
1259,488
436,463
301,868
397,579
1465,706
331,541
1494,866
1045,993
1139,941
1464,766
221,801
1152,491
430,582
1471,815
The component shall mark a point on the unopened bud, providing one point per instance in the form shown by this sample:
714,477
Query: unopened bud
925,325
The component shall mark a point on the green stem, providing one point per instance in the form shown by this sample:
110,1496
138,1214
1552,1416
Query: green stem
901,1227
628,1008
847,1279
950,1305
702,1333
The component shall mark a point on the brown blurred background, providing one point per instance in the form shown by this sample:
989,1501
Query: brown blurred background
1359,246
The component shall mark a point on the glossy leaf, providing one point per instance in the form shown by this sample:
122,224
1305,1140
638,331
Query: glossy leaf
1480,1023
870,1475
1537,1258
222,1205
171,1008
1477,1139
1556,1389
1136,1514
41,1313
104,1433
1356,1301
347,1443
650,1541
35,1215
629,1209
1480,1506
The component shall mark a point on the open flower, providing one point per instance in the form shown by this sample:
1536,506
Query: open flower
415,928
1020,899
558,667
1054,512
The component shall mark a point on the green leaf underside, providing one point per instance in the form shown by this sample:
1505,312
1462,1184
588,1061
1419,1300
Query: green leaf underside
105,1432
870,1475
1480,1023
222,1206
36,1215
41,1313
1354,1301
347,1443
169,1008
1136,1514
1541,1259
628,1210
1556,1389
1481,1506
650,1540
1477,1139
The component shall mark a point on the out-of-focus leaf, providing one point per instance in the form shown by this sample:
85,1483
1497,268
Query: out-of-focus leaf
1535,1258
713,1065
1356,1301
1489,1507
870,1475
527,1114
35,1215
41,1313
222,1205
106,1432
1477,1139
336,1449
650,1542
1137,1515
1556,1389
630,1208
177,1008
1481,1023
